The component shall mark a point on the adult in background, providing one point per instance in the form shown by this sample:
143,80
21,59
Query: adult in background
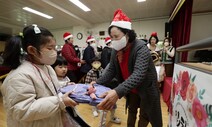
153,40
167,57
77,50
132,63
89,54
71,57
106,52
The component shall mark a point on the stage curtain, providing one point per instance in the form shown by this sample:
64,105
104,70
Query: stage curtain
181,26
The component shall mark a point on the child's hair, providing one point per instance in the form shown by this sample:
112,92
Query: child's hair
32,36
95,59
59,61
12,51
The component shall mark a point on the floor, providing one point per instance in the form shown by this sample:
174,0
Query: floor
86,113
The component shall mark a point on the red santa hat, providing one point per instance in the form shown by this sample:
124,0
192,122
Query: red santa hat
90,38
67,35
121,20
154,34
107,40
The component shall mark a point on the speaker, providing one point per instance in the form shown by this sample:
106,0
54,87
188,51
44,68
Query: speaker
168,29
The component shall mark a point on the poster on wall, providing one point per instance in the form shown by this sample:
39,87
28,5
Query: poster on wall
191,98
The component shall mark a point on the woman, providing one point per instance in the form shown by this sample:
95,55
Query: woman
153,40
106,52
74,62
30,91
132,62
89,54
167,57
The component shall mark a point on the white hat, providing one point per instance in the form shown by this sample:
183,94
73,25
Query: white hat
90,38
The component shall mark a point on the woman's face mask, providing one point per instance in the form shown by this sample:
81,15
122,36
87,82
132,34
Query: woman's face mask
166,43
48,57
94,45
119,44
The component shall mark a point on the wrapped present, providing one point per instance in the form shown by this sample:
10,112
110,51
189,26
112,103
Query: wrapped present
80,93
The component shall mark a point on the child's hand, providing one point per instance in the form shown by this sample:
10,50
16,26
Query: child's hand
68,101
71,83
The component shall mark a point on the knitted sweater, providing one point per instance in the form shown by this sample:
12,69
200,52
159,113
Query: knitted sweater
143,77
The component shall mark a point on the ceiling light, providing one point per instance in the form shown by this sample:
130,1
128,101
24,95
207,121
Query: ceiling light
141,0
80,5
37,12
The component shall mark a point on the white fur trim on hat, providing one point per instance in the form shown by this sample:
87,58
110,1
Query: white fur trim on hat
122,24
67,37
108,41
92,39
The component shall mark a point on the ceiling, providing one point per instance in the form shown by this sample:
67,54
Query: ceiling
66,15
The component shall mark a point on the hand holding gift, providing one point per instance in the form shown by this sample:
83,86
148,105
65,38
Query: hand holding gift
91,91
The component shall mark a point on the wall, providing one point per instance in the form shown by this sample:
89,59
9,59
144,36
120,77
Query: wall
142,27
146,27
59,35
201,27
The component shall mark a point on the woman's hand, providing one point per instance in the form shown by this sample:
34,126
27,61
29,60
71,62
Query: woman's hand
67,100
103,95
82,61
110,100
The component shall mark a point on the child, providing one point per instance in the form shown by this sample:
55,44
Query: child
60,67
30,91
93,75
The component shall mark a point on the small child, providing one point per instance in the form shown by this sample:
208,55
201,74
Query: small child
93,75
60,67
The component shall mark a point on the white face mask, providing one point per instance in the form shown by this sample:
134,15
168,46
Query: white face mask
119,44
48,57
111,46
93,45
76,48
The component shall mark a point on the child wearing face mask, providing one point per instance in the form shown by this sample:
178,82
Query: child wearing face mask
30,91
167,55
93,75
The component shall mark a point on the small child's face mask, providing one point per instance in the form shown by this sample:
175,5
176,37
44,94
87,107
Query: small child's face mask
96,64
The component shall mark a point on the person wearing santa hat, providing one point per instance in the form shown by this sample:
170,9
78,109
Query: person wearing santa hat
153,40
70,55
106,52
89,54
132,63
